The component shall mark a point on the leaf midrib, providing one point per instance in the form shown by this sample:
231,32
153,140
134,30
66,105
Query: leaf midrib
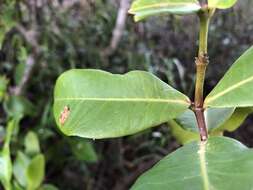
203,166
241,83
124,100
161,5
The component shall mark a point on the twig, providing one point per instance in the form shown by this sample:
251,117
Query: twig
119,27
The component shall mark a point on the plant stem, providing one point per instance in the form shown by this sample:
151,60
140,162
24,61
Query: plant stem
201,65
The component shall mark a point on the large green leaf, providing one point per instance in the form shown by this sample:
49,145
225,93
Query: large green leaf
220,163
236,87
145,8
98,104
221,4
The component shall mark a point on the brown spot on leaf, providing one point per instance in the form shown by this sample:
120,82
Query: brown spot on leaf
64,115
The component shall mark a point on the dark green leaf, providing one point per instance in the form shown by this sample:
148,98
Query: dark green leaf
220,163
83,150
145,8
97,104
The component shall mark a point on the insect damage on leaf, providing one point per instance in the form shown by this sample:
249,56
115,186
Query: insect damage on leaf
64,115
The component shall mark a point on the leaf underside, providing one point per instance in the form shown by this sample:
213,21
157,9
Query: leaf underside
221,4
103,105
145,8
220,163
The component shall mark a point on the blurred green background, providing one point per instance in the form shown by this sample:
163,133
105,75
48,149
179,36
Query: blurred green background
40,39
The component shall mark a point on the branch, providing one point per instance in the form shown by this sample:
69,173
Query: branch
119,27
30,37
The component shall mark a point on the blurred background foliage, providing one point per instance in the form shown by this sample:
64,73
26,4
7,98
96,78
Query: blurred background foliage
40,39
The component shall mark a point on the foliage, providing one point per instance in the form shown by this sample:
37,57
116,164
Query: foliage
74,34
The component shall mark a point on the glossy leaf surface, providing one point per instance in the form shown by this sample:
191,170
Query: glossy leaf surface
145,8
219,163
221,4
236,87
98,104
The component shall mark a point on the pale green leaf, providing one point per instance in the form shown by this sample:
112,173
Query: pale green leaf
234,121
221,4
98,104
35,172
182,136
214,118
236,87
5,158
220,163
145,8
32,145
19,168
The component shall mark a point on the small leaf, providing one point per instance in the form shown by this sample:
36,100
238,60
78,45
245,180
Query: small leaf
17,107
98,104
19,168
235,120
35,172
220,163
32,145
145,8
221,4
3,86
182,136
83,150
214,117
236,87
5,158
48,187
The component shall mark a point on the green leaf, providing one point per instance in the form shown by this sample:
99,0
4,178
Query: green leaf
18,106
221,4
5,158
35,172
182,136
215,117
3,86
236,87
145,8
235,120
83,150
48,187
32,145
19,168
220,163
98,104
